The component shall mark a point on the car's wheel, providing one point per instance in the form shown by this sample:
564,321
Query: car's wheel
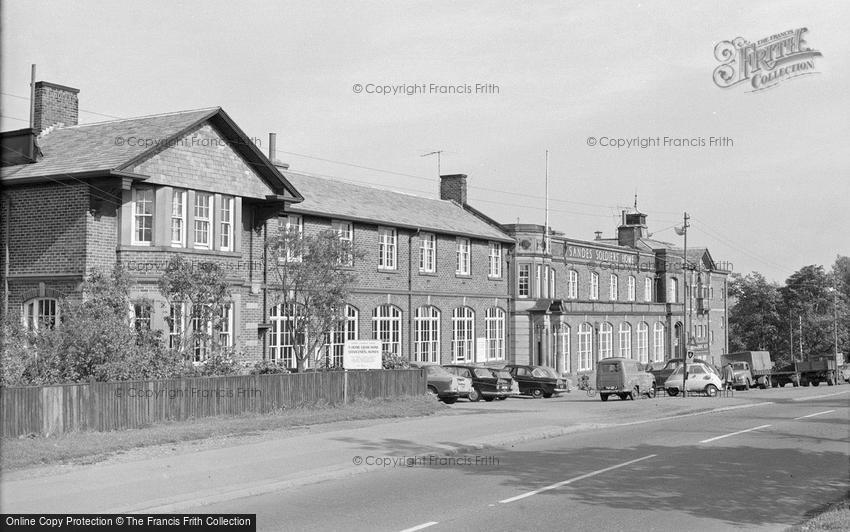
502,398
747,385
634,394
711,390
815,383
672,392
651,393
603,396
474,395
449,400
537,393
432,391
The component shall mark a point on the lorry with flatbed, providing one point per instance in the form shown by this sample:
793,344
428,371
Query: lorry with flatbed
755,368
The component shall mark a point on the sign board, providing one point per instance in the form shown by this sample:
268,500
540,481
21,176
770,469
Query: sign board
690,355
362,354
480,349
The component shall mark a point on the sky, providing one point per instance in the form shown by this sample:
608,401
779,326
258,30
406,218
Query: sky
771,196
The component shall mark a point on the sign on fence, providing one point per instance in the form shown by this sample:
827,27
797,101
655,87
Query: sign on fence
362,354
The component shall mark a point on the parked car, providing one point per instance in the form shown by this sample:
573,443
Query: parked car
447,387
623,377
485,384
701,378
844,372
536,381
668,367
514,385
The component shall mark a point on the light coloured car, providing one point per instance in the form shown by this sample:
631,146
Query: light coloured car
447,387
701,378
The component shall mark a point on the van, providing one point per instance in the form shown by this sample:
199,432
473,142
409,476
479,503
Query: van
623,377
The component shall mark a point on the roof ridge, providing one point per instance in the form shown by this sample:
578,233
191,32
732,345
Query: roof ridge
369,186
156,115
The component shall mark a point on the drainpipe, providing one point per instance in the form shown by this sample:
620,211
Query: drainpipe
410,294
265,285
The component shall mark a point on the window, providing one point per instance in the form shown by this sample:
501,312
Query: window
711,337
495,260
625,340
643,342
613,288
552,283
293,227
427,253
200,336
647,289
345,233
539,281
464,265
594,285
564,346
631,288
674,291
572,285
282,342
386,248
40,313
203,202
606,339
226,224
585,347
225,326
463,334
524,280
142,216
346,330
176,324
386,327
658,342
494,324
142,316
426,334
711,293
178,218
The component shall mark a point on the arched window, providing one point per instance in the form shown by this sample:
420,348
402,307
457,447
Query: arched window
625,340
658,342
346,330
386,327
606,339
585,347
594,285
463,334
614,288
40,313
643,342
426,334
494,322
572,285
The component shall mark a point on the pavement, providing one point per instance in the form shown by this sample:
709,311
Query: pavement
206,477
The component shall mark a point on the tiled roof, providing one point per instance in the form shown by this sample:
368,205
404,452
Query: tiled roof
102,146
332,198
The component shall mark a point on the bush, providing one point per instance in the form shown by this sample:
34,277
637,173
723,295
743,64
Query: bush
268,367
392,361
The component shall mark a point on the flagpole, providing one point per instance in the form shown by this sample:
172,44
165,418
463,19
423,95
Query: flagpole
546,222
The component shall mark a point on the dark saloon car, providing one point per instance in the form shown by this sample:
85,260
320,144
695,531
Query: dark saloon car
536,381
446,386
485,383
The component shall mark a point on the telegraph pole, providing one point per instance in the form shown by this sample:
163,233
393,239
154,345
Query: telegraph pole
687,290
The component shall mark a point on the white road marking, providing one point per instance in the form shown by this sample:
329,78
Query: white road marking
734,434
570,481
420,527
818,396
815,414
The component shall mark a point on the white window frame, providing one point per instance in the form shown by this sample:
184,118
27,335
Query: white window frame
631,288
625,340
178,218
427,252
225,330
658,333
614,287
643,342
335,346
294,221
564,341
225,232
176,324
464,256
142,314
386,327
606,340
463,335
203,220
387,248
426,334
345,232
552,284
140,201
572,285
538,281
594,286
524,280
494,327
282,335
584,338
647,289
40,312
495,255
673,292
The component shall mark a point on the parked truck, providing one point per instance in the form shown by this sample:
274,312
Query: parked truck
817,370
755,368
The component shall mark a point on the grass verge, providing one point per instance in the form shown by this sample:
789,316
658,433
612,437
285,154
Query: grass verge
91,447
835,516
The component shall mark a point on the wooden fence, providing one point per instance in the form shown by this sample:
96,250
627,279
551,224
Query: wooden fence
104,406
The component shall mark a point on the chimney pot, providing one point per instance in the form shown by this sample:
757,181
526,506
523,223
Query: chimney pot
598,235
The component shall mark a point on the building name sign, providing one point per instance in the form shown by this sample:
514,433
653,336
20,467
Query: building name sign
362,354
599,255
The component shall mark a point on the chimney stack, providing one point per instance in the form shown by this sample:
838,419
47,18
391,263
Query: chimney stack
273,152
453,187
54,105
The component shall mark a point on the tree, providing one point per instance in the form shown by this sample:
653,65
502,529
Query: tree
755,319
841,279
807,298
201,290
312,279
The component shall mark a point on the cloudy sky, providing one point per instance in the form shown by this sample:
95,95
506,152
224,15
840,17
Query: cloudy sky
552,74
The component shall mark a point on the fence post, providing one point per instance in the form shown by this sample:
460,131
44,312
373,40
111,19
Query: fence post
345,387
